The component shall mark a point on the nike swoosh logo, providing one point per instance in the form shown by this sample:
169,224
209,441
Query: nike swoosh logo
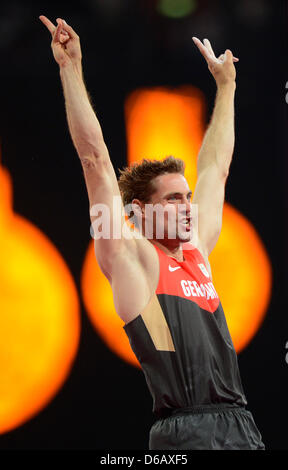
173,269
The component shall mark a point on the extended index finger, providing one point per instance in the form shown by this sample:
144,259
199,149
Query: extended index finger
47,23
203,49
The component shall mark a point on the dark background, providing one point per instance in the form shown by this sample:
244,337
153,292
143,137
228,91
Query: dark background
105,403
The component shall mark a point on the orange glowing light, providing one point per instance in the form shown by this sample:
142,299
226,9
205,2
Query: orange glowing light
162,122
98,299
242,276
39,316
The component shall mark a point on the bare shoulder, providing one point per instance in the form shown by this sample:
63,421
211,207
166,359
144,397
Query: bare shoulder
144,255
134,276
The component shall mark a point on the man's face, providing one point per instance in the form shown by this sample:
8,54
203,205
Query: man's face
174,195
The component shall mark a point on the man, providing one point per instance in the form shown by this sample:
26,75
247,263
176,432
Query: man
162,288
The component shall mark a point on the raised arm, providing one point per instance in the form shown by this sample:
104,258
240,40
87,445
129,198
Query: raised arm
217,148
130,264
86,134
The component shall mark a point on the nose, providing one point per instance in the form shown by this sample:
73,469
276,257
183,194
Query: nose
188,203
185,208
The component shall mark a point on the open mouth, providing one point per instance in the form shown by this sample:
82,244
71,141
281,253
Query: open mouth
186,222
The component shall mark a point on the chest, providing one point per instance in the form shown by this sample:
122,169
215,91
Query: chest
189,280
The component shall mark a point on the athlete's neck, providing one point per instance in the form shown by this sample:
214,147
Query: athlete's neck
175,251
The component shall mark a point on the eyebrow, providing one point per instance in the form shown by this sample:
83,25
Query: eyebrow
178,194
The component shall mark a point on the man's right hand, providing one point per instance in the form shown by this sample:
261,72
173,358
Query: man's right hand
65,42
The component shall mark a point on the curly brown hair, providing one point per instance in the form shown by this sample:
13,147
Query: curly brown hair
136,181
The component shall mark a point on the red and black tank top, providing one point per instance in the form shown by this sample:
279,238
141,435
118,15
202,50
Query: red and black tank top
181,339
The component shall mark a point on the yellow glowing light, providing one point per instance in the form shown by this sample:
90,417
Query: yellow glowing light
39,316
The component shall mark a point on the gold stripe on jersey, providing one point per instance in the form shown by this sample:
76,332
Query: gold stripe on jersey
157,326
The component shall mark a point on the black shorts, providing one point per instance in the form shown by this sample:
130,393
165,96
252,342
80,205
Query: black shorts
206,428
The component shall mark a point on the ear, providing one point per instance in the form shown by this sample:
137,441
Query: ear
137,207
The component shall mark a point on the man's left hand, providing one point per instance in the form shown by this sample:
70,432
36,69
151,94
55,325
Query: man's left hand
222,68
